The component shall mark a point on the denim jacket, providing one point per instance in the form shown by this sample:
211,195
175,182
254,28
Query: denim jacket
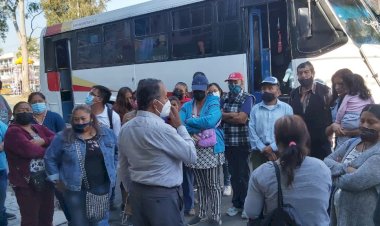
61,159
209,117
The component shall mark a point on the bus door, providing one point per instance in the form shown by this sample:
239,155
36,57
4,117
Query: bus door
258,57
58,84
62,50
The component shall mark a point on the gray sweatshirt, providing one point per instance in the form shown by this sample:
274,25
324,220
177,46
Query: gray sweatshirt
360,189
309,194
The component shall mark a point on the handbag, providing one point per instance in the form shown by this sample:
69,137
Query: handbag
38,175
207,138
283,215
96,205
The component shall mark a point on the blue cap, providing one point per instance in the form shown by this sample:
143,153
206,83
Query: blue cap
200,82
270,80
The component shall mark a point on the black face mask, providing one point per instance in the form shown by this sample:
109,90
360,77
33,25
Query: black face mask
178,94
369,135
79,128
24,118
199,95
306,82
268,97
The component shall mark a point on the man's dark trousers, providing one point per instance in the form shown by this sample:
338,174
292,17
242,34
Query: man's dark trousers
156,205
237,158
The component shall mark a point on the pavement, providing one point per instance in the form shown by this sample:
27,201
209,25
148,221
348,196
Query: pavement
115,215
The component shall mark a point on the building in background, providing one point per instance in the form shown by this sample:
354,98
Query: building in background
10,74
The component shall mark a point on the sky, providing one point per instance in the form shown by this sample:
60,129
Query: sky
11,43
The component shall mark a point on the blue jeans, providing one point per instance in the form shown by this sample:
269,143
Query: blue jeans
3,193
76,203
188,188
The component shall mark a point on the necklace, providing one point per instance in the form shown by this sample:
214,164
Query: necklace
43,118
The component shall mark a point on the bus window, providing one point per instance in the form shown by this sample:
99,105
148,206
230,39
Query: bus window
117,47
323,35
359,24
181,19
49,55
194,40
152,48
229,37
228,10
150,45
89,51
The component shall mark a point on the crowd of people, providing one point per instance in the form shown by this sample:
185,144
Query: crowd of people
164,147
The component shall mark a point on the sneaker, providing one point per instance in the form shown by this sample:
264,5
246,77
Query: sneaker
10,216
227,191
196,220
233,211
244,215
191,212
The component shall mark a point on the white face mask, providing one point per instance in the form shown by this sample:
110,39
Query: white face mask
217,94
165,109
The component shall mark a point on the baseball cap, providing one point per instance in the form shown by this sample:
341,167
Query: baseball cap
270,80
200,82
234,76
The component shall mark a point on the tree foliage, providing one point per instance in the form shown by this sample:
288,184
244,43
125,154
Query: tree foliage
33,48
58,11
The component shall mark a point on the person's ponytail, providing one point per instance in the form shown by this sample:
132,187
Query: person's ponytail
291,158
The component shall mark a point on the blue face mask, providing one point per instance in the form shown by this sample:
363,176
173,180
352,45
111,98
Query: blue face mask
38,108
89,100
235,89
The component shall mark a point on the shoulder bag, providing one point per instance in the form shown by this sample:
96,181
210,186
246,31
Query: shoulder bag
96,205
283,215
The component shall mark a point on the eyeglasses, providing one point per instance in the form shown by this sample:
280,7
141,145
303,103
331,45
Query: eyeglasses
93,94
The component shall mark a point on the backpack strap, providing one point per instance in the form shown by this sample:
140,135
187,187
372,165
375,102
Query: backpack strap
280,200
109,113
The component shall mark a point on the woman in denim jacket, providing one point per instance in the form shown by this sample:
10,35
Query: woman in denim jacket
200,114
97,148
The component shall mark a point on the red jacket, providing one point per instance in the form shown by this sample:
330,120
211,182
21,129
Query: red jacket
20,151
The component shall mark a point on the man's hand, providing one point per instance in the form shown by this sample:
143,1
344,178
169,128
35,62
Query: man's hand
175,120
268,152
40,142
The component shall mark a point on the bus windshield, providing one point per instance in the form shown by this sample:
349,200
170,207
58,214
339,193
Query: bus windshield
359,23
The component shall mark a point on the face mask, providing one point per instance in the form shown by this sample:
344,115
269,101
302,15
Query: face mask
306,82
235,89
79,128
199,95
268,97
89,100
178,94
217,94
24,118
369,135
165,111
38,108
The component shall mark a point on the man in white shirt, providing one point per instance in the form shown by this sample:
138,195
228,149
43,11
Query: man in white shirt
98,98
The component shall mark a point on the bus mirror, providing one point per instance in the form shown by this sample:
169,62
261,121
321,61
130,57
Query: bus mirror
304,22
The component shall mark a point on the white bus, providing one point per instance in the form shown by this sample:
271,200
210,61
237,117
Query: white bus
172,39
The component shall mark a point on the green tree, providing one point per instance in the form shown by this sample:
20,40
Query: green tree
33,48
18,11
58,11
